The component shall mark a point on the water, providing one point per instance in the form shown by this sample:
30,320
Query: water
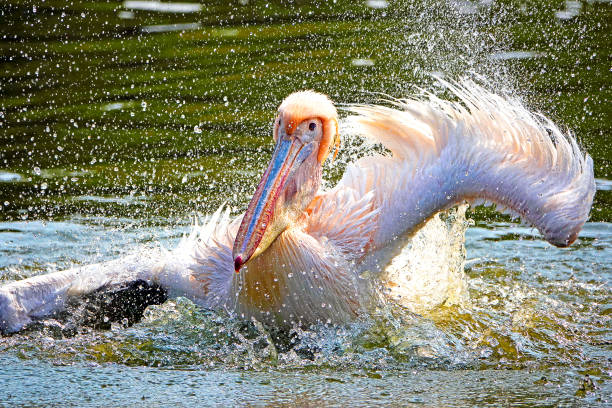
120,120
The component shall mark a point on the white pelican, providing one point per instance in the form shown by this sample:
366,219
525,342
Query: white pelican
298,254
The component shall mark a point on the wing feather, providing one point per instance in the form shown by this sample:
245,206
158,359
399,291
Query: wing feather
481,147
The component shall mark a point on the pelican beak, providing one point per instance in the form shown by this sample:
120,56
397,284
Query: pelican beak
269,211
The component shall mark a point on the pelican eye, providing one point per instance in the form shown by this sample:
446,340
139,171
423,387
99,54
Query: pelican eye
312,126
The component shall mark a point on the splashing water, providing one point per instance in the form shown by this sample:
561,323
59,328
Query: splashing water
118,122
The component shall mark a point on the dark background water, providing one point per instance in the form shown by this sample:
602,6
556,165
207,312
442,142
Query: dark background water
118,122
101,100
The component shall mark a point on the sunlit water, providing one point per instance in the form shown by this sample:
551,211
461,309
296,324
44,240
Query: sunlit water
120,120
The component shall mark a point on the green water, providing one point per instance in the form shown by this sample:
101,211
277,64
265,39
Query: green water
117,124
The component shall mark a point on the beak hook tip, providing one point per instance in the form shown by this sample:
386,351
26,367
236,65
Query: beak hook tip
238,264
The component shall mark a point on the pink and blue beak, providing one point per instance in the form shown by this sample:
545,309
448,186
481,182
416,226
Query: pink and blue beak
262,222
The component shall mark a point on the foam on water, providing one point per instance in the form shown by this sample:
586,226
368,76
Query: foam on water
428,272
511,320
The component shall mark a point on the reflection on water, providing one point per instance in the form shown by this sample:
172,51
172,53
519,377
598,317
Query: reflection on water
162,7
119,120
571,10
9,177
603,184
506,55
163,28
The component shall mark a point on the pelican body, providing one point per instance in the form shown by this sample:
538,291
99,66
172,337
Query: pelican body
300,255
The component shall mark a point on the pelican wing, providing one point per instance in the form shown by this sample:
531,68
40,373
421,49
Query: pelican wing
200,268
483,147
42,295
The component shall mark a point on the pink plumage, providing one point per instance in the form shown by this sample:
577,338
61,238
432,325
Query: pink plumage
321,258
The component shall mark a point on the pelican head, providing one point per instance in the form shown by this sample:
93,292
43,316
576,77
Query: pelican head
304,129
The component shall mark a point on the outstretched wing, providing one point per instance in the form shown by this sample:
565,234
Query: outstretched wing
39,296
484,147
200,268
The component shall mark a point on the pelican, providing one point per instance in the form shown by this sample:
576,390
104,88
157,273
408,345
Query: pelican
301,255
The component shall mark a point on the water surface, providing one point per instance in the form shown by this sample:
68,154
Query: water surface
120,120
